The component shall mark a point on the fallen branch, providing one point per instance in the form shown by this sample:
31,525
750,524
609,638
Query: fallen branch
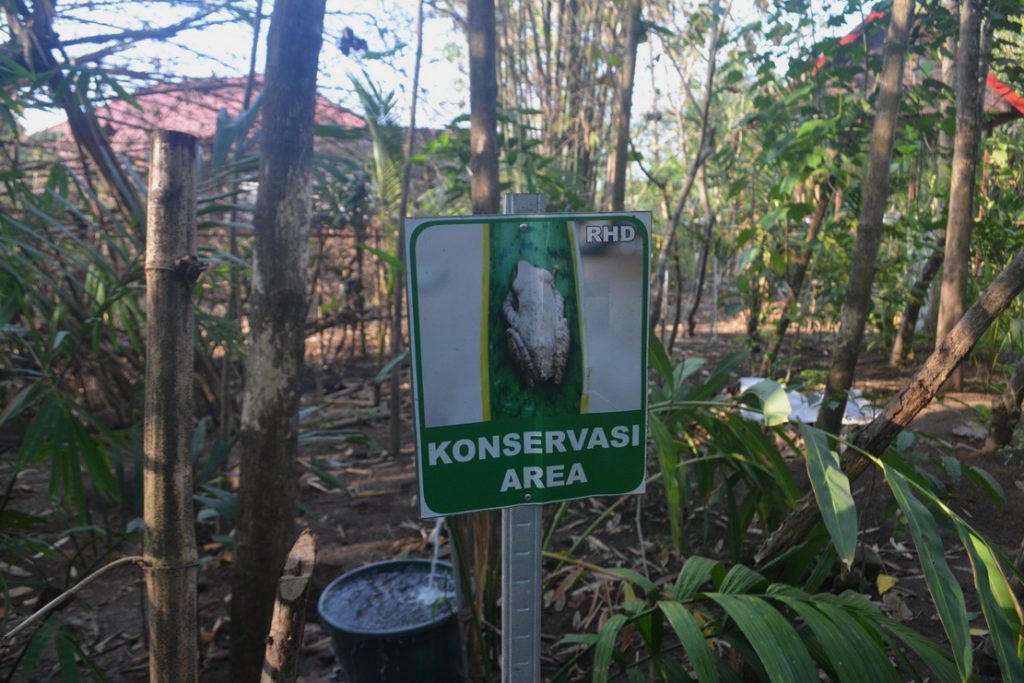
904,406
44,611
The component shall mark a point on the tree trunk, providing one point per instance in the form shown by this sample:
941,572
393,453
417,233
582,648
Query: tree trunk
395,404
620,159
483,106
36,31
476,535
796,278
284,643
170,540
956,266
1006,411
905,336
875,195
904,406
702,265
269,430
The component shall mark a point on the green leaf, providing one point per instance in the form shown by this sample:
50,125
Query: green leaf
66,658
702,659
1002,613
775,405
832,491
668,461
659,358
987,483
776,643
605,646
389,259
741,579
694,573
852,656
945,590
635,578
872,655
391,365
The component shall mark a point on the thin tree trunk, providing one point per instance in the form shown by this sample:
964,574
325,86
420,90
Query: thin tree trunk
905,405
269,427
905,336
620,159
172,267
477,533
1006,409
284,643
801,264
702,266
956,264
228,406
483,106
869,232
395,406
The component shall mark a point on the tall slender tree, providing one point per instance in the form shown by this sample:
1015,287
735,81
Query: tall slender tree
268,489
624,108
874,196
960,217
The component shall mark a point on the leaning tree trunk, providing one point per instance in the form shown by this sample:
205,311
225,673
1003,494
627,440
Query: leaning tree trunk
269,431
956,265
875,195
620,158
905,405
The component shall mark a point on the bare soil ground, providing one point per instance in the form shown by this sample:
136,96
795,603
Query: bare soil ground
375,517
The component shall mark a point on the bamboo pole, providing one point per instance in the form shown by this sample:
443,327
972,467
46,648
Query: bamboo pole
172,268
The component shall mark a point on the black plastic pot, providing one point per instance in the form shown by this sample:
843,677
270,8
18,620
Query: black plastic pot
428,651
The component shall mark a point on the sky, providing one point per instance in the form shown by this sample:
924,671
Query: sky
386,25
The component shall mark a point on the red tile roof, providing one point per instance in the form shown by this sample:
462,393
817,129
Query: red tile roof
190,106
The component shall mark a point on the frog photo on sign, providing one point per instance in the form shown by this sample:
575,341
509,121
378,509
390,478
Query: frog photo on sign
538,334
535,357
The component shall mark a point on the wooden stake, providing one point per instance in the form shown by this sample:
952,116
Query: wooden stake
284,643
172,268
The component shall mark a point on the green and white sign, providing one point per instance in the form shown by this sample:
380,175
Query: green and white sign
529,340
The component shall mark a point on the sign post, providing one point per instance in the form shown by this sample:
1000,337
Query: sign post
521,551
529,355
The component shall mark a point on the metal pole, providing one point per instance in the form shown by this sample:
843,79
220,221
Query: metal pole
521,551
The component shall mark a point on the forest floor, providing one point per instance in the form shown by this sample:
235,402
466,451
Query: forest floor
376,517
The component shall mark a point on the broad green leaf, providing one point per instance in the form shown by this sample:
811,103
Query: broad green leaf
945,590
66,658
852,659
659,358
1002,613
775,405
832,491
605,646
782,653
668,461
635,578
871,650
702,659
695,572
741,579
987,483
